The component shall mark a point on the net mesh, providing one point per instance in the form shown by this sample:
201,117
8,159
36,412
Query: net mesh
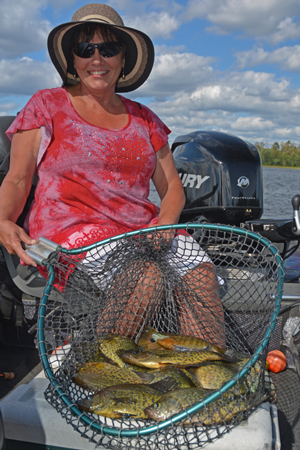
220,286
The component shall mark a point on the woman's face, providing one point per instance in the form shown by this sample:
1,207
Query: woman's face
99,75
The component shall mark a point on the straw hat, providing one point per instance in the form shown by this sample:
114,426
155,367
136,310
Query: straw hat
139,56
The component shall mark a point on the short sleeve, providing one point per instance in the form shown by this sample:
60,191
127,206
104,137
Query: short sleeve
158,132
34,115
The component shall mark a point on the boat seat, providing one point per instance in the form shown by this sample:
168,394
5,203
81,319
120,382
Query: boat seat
26,278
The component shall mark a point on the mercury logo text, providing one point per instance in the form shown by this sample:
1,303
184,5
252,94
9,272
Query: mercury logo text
191,180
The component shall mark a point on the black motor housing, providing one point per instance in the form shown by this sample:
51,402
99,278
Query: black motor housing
221,175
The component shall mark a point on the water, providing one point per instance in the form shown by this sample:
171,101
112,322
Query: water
279,186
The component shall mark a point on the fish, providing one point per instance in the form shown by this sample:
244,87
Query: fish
180,377
146,342
212,376
97,376
181,342
113,345
174,402
162,358
116,402
98,356
217,412
250,381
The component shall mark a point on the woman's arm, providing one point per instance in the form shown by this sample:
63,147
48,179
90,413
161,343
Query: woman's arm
168,186
15,190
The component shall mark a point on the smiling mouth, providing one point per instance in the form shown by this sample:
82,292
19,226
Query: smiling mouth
98,72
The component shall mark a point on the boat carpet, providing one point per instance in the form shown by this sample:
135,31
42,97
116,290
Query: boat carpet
287,386
23,362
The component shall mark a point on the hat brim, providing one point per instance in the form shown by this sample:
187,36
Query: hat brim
139,56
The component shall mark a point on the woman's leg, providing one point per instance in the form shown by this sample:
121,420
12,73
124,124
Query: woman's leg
134,298
197,292
200,310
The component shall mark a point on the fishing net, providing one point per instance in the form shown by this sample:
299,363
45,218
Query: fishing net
222,285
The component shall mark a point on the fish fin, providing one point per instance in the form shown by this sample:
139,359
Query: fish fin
165,385
146,376
191,377
231,359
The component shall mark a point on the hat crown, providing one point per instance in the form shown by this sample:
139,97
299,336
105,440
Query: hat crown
97,12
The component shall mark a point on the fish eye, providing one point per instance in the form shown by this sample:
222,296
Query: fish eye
156,405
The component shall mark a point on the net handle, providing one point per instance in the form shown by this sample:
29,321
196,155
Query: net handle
212,397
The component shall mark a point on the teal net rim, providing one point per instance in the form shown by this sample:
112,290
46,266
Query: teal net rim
144,431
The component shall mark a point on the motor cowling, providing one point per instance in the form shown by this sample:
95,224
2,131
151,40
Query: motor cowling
221,175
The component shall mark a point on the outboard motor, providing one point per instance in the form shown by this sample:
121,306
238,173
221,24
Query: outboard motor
222,178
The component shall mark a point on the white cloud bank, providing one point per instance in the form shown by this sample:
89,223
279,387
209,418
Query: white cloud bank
287,58
21,28
268,19
25,76
185,89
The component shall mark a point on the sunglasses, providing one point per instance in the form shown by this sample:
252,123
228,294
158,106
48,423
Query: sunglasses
106,49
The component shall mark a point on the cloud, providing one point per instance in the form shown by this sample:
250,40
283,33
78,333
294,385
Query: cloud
175,72
25,76
58,4
188,94
21,28
287,57
155,24
267,19
248,92
286,29
249,104
252,123
7,108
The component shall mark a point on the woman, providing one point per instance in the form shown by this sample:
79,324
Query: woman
87,114
93,150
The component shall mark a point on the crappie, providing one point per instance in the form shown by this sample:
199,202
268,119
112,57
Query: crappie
181,342
97,376
162,358
122,400
114,345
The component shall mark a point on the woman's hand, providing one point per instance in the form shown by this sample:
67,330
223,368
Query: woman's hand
161,236
12,237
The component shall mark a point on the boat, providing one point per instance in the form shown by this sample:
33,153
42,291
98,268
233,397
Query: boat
222,179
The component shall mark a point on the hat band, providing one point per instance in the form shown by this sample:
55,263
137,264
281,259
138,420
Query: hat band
98,18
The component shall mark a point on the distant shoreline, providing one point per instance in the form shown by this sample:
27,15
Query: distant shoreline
283,167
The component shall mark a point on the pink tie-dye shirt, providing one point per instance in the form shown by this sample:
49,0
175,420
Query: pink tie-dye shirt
93,183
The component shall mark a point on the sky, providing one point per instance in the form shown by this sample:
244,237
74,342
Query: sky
226,65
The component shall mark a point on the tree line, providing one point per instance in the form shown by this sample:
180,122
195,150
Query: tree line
285,154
